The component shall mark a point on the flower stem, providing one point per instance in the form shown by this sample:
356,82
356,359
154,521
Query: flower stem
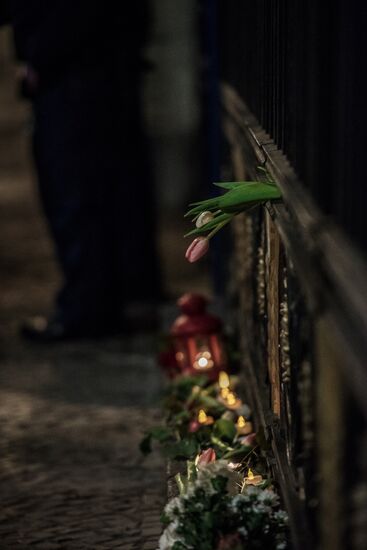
219,227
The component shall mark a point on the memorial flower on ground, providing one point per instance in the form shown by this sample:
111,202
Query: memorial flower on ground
211,514
206,457
225,500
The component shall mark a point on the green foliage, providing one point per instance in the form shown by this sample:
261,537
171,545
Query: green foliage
220,218
184,449
184,398
249,193
210,403
205,516
239,452
232,184
158,433
219,484
224,429
240,196
181,388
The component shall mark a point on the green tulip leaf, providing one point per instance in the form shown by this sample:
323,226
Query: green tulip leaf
225,429
232,184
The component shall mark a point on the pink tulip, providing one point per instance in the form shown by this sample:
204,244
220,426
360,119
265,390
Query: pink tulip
206,457
197,249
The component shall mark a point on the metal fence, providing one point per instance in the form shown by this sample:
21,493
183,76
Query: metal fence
293,100
300,66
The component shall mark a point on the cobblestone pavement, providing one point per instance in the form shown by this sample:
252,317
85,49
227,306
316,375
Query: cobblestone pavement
71,475
71,416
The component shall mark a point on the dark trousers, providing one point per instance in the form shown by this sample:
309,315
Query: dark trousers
96,188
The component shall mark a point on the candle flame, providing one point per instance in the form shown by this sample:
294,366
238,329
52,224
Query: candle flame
241,422
203,360
202,417
231,398
224,393
250,474
223,380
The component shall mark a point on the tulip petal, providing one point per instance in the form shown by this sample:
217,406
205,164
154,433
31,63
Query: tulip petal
197,249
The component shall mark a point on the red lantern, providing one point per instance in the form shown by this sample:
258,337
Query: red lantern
197,338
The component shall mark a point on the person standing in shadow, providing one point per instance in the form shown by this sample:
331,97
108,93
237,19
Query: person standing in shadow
82,72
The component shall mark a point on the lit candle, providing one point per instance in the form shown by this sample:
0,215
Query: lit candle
203,361
223,381
204,419
224,393
232,401
252,479
243,426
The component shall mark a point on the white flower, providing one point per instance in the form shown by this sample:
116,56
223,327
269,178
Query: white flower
252,491
172,505
260,508
169,536
204,218
281,516
237,500
219,468
268,497
202,482
243,531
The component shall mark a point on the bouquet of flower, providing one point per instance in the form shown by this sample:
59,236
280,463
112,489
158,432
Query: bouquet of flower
216,510
211,215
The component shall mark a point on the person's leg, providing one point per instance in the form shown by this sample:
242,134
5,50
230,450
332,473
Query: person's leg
76,184
97,191
137,260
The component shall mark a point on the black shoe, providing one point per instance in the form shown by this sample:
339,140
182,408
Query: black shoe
43,330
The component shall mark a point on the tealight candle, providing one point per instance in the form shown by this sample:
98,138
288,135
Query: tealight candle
232,401
224,393
223,380
253,479
204,419
203,361
243,426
